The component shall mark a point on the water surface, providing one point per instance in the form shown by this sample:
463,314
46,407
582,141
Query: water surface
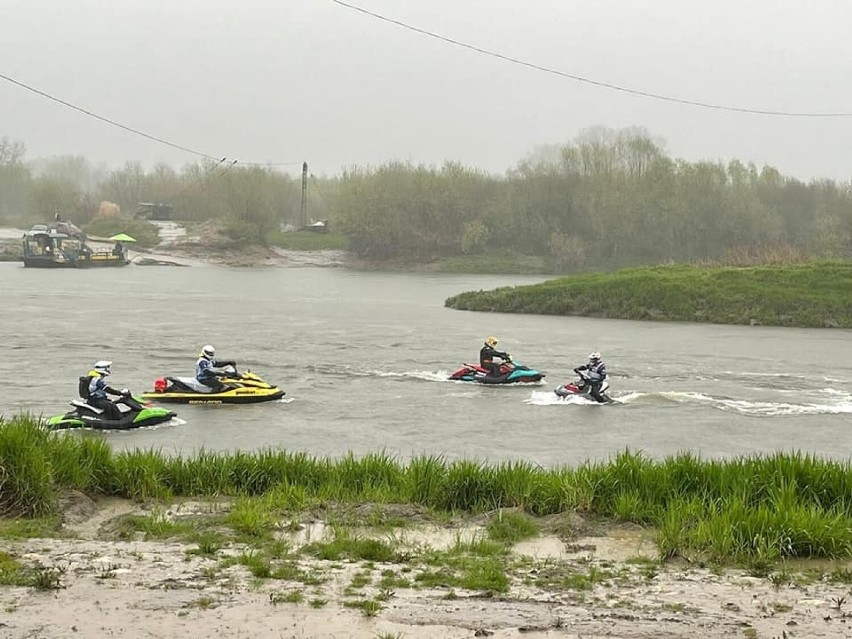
364,358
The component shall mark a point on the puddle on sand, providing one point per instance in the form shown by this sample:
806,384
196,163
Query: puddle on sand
435,537
315,531
548,547
616,545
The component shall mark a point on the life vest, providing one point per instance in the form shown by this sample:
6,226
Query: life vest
83,387
95,388
203,369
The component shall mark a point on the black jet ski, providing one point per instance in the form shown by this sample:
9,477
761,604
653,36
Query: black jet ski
582,388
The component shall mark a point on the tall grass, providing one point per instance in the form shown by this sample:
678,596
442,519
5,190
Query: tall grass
743,509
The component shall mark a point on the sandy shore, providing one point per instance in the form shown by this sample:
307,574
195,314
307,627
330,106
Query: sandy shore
142,588
201,250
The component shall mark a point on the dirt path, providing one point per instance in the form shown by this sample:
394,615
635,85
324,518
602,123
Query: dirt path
164,589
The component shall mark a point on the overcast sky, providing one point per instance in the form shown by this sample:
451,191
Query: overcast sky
281,81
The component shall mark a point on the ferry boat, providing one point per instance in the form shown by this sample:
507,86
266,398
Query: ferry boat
46,247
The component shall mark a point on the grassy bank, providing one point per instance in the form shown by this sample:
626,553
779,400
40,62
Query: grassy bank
747,510
498,263
145,233
308,241
808,295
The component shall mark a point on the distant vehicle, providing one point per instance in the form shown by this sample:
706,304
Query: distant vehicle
155,211
320,226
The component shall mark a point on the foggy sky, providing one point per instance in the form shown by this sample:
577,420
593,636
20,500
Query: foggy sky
281,81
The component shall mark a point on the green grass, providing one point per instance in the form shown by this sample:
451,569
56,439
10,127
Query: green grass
154,526
209,544
752,511
497,262
511,527
308,241
145,233
809,295
292,596
346,546
368,607
12,572
50,526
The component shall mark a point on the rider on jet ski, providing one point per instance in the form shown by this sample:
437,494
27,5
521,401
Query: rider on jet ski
487,354
596,374
204,366
94,389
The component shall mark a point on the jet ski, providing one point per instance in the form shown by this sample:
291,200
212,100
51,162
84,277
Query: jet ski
581,388
134,414
511,372
238,388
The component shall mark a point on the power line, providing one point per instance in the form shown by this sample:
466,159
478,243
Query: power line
107,120
579,78
130,129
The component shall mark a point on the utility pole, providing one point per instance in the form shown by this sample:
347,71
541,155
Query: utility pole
304,193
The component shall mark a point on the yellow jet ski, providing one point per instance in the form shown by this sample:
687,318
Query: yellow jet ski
237,388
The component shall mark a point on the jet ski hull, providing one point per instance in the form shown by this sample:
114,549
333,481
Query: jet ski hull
77,419
511,374
236,388
231,396
574,389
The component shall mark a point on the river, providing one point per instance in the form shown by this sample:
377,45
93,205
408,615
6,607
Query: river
364,358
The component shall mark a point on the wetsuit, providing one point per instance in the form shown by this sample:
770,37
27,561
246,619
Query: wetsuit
486,359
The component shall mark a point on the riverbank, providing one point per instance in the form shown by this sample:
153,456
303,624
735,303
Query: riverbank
805,295
248,544
116,568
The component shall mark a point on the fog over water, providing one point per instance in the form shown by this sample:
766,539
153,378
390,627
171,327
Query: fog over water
317,81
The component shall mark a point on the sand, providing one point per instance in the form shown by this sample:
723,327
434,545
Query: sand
144,588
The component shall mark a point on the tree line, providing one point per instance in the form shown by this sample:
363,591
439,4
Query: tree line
250,202
607,198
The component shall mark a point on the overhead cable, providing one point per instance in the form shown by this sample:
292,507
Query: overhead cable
130,129
586,80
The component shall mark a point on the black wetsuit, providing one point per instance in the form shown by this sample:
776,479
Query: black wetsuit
486,359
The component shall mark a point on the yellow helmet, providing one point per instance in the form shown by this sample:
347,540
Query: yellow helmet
491,341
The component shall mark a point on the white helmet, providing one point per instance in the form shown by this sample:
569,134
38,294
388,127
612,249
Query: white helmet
208,352
102,367
594,356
